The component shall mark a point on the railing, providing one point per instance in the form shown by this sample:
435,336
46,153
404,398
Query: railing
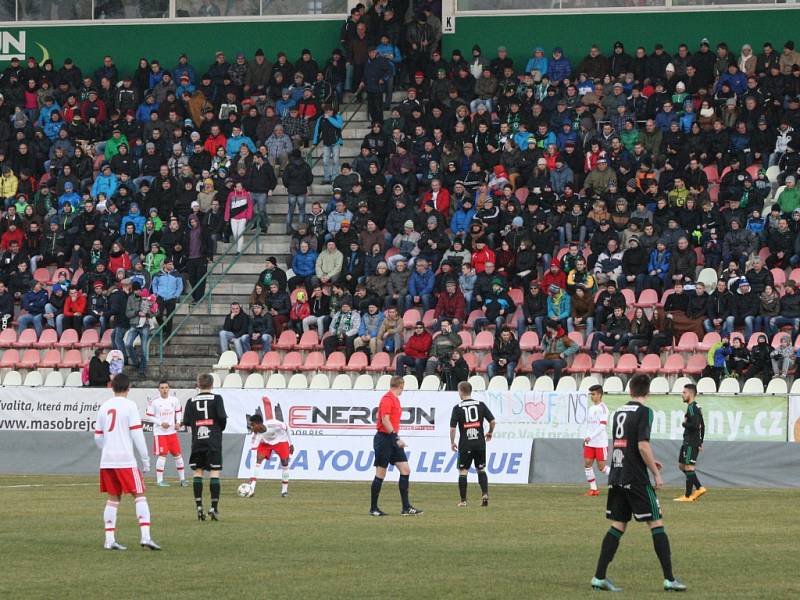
356,105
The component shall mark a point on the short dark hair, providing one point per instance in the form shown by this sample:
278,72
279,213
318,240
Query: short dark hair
256,418
596,388
692,388
465,387
121,383
639,385
162,382
205,381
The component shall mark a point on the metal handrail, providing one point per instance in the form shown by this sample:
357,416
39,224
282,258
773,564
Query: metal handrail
310,158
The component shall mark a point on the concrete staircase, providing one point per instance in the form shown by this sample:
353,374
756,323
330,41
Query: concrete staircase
196,346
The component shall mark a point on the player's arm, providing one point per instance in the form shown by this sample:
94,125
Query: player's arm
701,427
188,414
646,450
137,435
178,415
99,438
222,416
453,445
487,414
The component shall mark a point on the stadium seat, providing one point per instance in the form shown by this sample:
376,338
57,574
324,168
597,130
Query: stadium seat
254,381
520,384
466,339
498,383
696,364
613,385
431,383
688,342
383,383
410,318
664,297
517,295
380,363
428,319
286,341
49,339
358,362
577,337
412,384
647,299
729,385
677,386
54,379
363,382
248,362
297,381
673,365
603,364
588,382
9,359
105,340
581,364
753,385
779,276
712,173
320,381
42,275
659,385
627,364
336,362
276,381
271,361
478,383
69,339
483,366
342,382
293,361
777,386
73,380
232,381
708,277
26,339
795,275
29,360
33,379
483,341
89,339
308,341
314,362
795,386
630,297
216,379
12,378
567,383
529,341
708,340
226,361
706,385
471,318
8,337
543,384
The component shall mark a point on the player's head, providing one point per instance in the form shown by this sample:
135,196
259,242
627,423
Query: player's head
397,384
640,385
596,393
163,388
121,384
205,381
689,392
255,419
464,390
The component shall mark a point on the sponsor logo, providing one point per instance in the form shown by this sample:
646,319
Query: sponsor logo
15,45
356,417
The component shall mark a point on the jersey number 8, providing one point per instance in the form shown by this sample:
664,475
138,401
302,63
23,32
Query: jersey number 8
619,433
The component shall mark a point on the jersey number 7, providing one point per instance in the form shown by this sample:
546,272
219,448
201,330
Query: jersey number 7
112,412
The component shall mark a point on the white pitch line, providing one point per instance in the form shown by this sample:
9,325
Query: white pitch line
35,485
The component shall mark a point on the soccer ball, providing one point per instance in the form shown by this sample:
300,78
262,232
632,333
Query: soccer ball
244,490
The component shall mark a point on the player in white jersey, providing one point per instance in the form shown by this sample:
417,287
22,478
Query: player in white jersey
118,428
267,437
595,438
165,412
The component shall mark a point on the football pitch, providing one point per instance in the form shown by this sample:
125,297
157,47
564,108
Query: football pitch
531,542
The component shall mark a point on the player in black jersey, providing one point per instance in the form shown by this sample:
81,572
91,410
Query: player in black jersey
694,430
468,416
630,493
205,415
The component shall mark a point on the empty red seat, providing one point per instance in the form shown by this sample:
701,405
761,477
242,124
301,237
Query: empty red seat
709,340
380,363
89,339
410,318
466,339
516,295
8,337
688,342
577,337
603,364
472,316
529,341
674,365
647,299
270,362
651,364
336,362
627,364
696,364
472,361
51,359
29,360
105,341
248,362
26,339
10,359
582,364
49,339
483,341
293,361
72,359
357,363
630,297
484,365
428,319
42,275
314,362
308,341
779,277
286,341
664,296
69,338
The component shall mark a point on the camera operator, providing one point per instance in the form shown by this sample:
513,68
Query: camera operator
443,345
454,370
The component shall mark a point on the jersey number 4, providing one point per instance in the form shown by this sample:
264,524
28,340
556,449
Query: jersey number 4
202,406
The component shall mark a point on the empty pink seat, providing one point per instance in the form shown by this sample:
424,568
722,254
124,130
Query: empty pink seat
380,363
357,363
29,360
603,364
627,364
270,362
529,341
105,341
483,341
89,339
410,318
8,337
42,275
674,365
69,339
581,364
651,364
10,359
51,359
72,359
688,342
292,361
336,362
308,341
696,364
647,299
49,339
314,362
428,319
248,362
286,341
709,340
26,339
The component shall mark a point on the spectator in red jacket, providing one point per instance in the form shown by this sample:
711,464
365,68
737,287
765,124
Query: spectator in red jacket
440,197
12,234
74,310
481,255
451,306
216,139
554,276
417,349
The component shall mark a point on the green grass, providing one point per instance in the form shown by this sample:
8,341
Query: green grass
532,542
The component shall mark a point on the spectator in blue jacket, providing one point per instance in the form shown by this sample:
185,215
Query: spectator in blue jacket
558,66
70,196
538,62
133,217
304,265
658,266
106,182
167,286
420,286
666,116
236,141
559,305
184,68
462,218
33,302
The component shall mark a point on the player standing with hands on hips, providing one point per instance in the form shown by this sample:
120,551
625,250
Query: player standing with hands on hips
630,493
205,415
595,440
468,416
694,431
118,429
389,449
165,413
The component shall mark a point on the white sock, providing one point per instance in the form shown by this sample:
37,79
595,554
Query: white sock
590,478
179,468
606,470
161,462
143,514
110,520
285,481
254,474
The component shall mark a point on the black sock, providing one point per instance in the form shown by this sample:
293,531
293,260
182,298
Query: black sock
483,480
403,485
695,480
376,491
197,486
214,486
689,483
661,545
607,551
462,487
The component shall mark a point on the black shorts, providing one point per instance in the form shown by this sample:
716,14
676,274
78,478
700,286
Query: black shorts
635,500
472,453
206,460
688,454
387,452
